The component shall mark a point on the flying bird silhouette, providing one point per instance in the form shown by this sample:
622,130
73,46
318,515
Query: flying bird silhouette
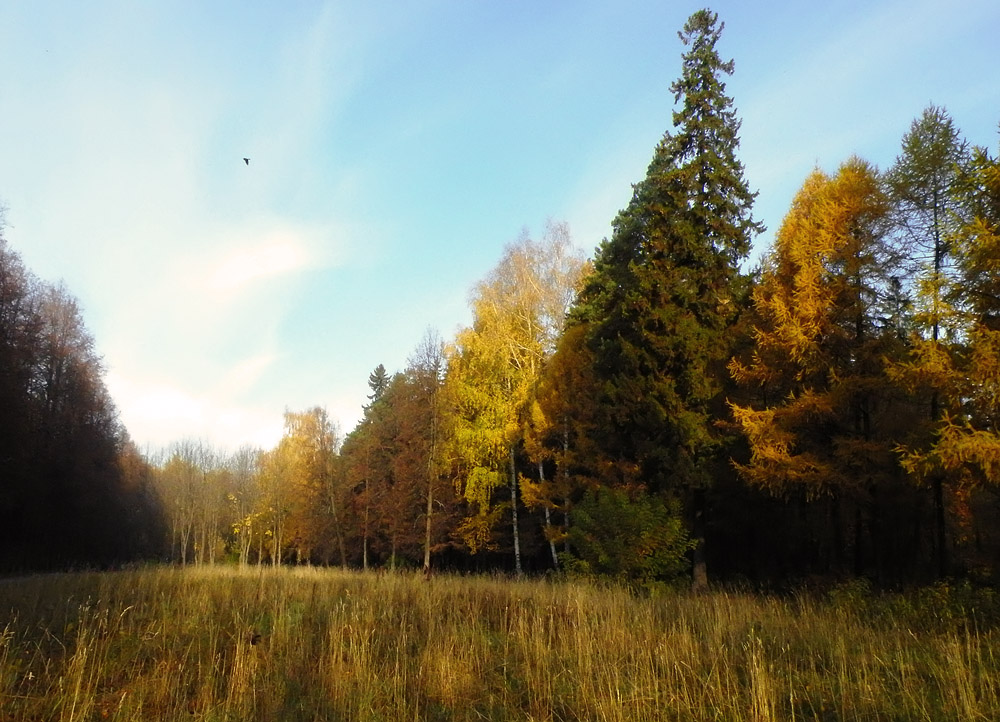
247,161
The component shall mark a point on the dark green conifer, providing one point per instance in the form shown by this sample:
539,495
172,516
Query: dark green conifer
378,382
665,289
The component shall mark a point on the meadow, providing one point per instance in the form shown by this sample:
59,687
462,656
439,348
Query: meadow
224,643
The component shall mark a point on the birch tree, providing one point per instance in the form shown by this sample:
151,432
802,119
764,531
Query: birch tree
494,369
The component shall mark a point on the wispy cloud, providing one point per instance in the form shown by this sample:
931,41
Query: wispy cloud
244,375
187,261
279,253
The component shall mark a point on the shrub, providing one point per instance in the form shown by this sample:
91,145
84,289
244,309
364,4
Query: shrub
634,537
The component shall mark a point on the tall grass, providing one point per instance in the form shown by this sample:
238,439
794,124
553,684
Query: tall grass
310,644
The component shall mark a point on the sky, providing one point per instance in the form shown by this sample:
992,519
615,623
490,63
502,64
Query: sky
395,148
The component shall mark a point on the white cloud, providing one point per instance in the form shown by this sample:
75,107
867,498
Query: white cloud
245,374
282,253
158,413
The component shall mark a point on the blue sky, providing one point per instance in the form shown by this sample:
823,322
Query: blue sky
395,148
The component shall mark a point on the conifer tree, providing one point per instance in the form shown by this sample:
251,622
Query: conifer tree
378,382
966,440
924,184
824,422
663,291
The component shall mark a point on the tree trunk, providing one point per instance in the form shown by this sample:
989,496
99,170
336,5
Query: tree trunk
939,522
245,546
277,546
185,541
548,521
331,492
513,509
364,540
565,472
427,529
938,483
699,582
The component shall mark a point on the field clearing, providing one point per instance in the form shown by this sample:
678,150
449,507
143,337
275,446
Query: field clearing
222,643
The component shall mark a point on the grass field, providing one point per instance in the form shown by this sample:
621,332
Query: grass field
308,644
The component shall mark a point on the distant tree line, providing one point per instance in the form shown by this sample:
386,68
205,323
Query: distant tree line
664,412
73,489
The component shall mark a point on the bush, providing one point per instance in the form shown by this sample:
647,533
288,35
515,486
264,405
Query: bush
943,607
634,537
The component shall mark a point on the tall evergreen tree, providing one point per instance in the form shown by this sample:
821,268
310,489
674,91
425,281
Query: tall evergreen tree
368,454
378,382
665,290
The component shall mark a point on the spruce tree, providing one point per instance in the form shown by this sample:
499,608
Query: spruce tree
378,382
665,291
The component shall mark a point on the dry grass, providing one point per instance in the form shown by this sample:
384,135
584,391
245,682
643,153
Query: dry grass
310,644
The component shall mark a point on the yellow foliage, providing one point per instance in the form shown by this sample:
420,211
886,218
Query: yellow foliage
494,366
806,302
967,440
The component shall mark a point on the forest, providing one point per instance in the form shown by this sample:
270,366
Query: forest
665,412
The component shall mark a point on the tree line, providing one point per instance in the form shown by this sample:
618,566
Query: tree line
74,490
433,474
665,411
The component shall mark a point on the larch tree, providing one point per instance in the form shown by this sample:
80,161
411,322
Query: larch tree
925,184
664,293
478,421
823,424
561,428
355,473
397,472
394,463
368,457
965,445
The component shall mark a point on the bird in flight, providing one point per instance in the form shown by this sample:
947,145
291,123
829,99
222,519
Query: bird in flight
247,161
